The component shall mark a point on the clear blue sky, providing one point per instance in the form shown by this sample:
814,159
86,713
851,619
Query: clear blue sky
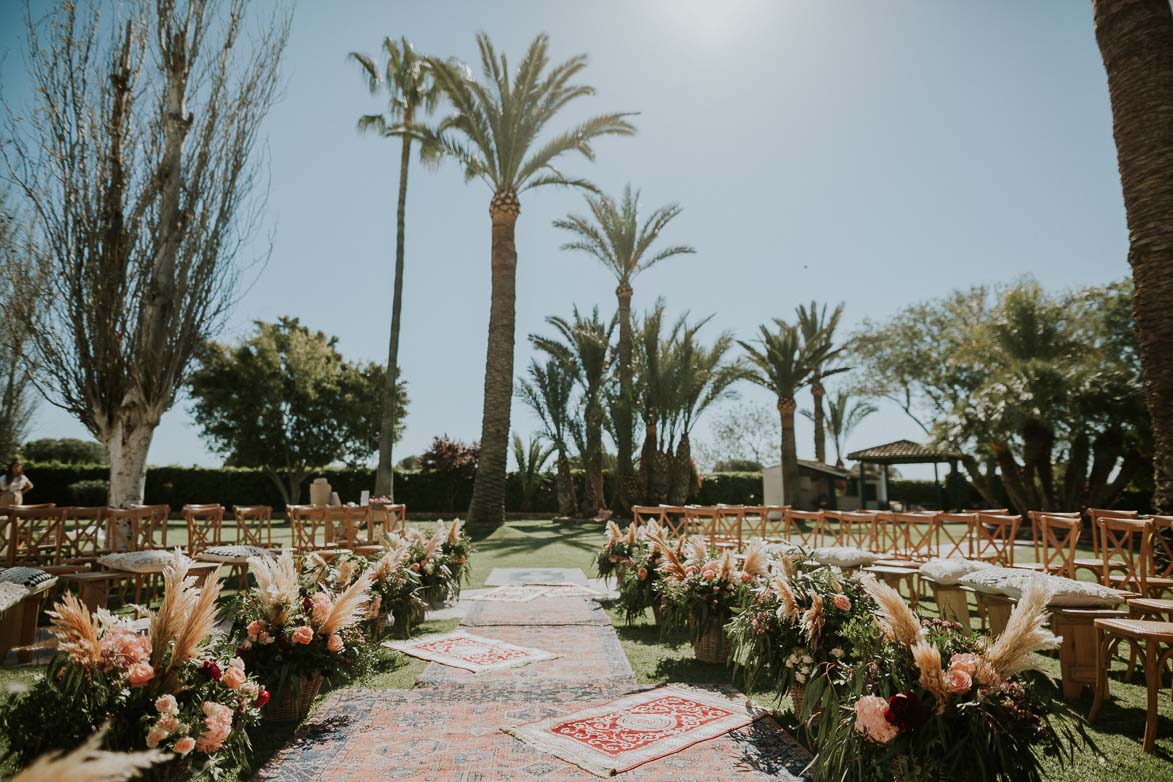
873,153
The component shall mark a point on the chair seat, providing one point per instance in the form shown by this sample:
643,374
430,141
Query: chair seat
1038,567
1097,564
887,570
1152,605
1151,583
1140,629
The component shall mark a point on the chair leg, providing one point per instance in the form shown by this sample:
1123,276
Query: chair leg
1102,661
1152,673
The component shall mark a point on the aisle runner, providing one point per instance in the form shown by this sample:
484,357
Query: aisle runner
470,652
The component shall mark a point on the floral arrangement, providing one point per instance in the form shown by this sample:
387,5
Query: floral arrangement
394,590
796,627
933,702
160,689
290,630
639,583
457,551
618,552
699,592
423,554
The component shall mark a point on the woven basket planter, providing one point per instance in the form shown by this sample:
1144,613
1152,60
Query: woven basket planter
658,613
290,704
797,692
712,646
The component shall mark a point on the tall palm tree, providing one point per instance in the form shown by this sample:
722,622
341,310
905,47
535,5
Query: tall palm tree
583,346
549,392
494,135
411,91
844,414
531,459
814,324
1136,43
785,363
617,238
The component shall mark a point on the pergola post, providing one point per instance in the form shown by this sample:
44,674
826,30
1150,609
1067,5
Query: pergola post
882,488
937,484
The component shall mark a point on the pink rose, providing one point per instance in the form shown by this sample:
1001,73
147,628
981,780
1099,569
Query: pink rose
842,602
168,724
965,662
218,719
958,681
264,639
184,745
708,574
870,721
233,678
303,634
334,643
254,629
139,674
643,573
154,737
746,577
321,608
167,704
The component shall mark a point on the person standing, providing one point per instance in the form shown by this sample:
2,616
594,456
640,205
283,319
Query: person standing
14,484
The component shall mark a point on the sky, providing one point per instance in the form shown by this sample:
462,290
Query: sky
876,154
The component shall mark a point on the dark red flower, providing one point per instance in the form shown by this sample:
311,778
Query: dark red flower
212,670
307,603
262,698
906,711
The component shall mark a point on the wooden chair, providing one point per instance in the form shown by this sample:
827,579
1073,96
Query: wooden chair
1095,563
698,519
132,529
153,526
1057,537
383,519
308,525
675,520
641,514
85,531
1157,641
919,535
725,531
773,523
1127,544
956,545
885,535
254,525
992,538
35,536
813,535
204,526
855,529
1033,518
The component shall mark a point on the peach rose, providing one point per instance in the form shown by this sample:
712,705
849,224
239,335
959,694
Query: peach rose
958,681
167,704
254,629
708,574
334,643
643,573
184,745
870,721
303,634
964,662
321,608
154,737
842,602
168,724
233,678
139,674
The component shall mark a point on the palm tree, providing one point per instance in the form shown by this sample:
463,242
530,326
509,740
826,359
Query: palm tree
616,238
531,460
549,392
411,90
784,363
844,413
494,136
583,347
815,324
1136,43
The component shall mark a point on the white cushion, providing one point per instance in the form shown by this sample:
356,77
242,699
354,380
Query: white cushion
1069,593
996,580
950,571
232,553
844,556
149,561
10,595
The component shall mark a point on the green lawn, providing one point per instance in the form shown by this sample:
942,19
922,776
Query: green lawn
550,544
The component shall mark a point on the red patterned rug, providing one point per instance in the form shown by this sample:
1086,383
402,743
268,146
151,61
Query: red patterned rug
637,729
474,653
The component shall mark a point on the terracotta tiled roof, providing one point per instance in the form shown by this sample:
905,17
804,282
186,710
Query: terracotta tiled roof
902,452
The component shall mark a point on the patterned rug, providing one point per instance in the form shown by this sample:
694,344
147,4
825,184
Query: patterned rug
474,653
636,729
546,611
509,594
568,590
501,576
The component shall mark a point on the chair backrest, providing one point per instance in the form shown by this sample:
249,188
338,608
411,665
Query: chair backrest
35,535
1159,557
1058,537
84,530
129,529
957,531
814,533
154,525
306,521
992,538
726,525
254,525
886,534
1123,544
856,529
1095,514
698,520
641,514
204,526
919,534
1034,517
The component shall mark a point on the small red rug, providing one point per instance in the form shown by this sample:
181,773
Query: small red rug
471,652
637,729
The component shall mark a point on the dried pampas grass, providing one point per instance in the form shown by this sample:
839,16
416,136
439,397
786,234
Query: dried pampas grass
898,621
198,624
932,676
1026,633
276,584
179,600
756,561
811,623
781,585
632,535
696,550
670,564
348,608
90,763
454,531
76,630
613,533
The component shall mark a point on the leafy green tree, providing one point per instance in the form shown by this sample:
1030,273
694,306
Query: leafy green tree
531,461
616,237
815,324
411,91
496,135
285,400
549,393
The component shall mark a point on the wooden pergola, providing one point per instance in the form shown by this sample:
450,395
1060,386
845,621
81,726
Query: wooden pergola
905,452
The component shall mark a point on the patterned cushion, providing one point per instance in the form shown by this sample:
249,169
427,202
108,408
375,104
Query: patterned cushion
10,595
950,571
844,556
232,553
25,576
1069,593
149,561
996,580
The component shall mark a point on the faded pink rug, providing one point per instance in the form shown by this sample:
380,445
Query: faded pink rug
474,653
510,594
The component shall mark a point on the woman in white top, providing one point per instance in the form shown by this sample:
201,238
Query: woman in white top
14,484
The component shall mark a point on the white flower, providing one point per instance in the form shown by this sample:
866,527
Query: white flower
806,658
804,669
837,653
798,677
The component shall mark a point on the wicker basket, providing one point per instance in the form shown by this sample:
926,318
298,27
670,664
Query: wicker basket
797,692
292,704
712,646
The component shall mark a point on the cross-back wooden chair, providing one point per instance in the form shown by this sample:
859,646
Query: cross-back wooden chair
85,531
810,537
204,526
1154,641
35,535
773,527
127,529
1058,534
726,529
956,529
1033,518
992,538
885,533
1095,563
308,525
919,535
699,519
1158,560
675,520
336,526
642,514
254,525
753,519
1123,550
855,529
355,519
385,519
153,529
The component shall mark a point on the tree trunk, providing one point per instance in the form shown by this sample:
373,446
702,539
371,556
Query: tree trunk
564,482
817,393
681,472
1136,42
385,474
980,481
647,460
127,443
487,510
789,462
1075,476
1012,477
624,414
593,499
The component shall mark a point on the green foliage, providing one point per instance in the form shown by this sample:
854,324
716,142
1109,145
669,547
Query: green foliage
738,465
65,450
531,464
89,493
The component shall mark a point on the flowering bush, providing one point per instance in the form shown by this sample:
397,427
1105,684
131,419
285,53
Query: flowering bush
162,688
933,702
619,550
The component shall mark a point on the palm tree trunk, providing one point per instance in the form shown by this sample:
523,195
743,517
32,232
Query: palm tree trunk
786,408
593,460
818,392
487,510
564,481
385,474
1136,43
624,418
647,460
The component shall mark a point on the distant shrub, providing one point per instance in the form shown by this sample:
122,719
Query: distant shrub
737,465
89,493
65,450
